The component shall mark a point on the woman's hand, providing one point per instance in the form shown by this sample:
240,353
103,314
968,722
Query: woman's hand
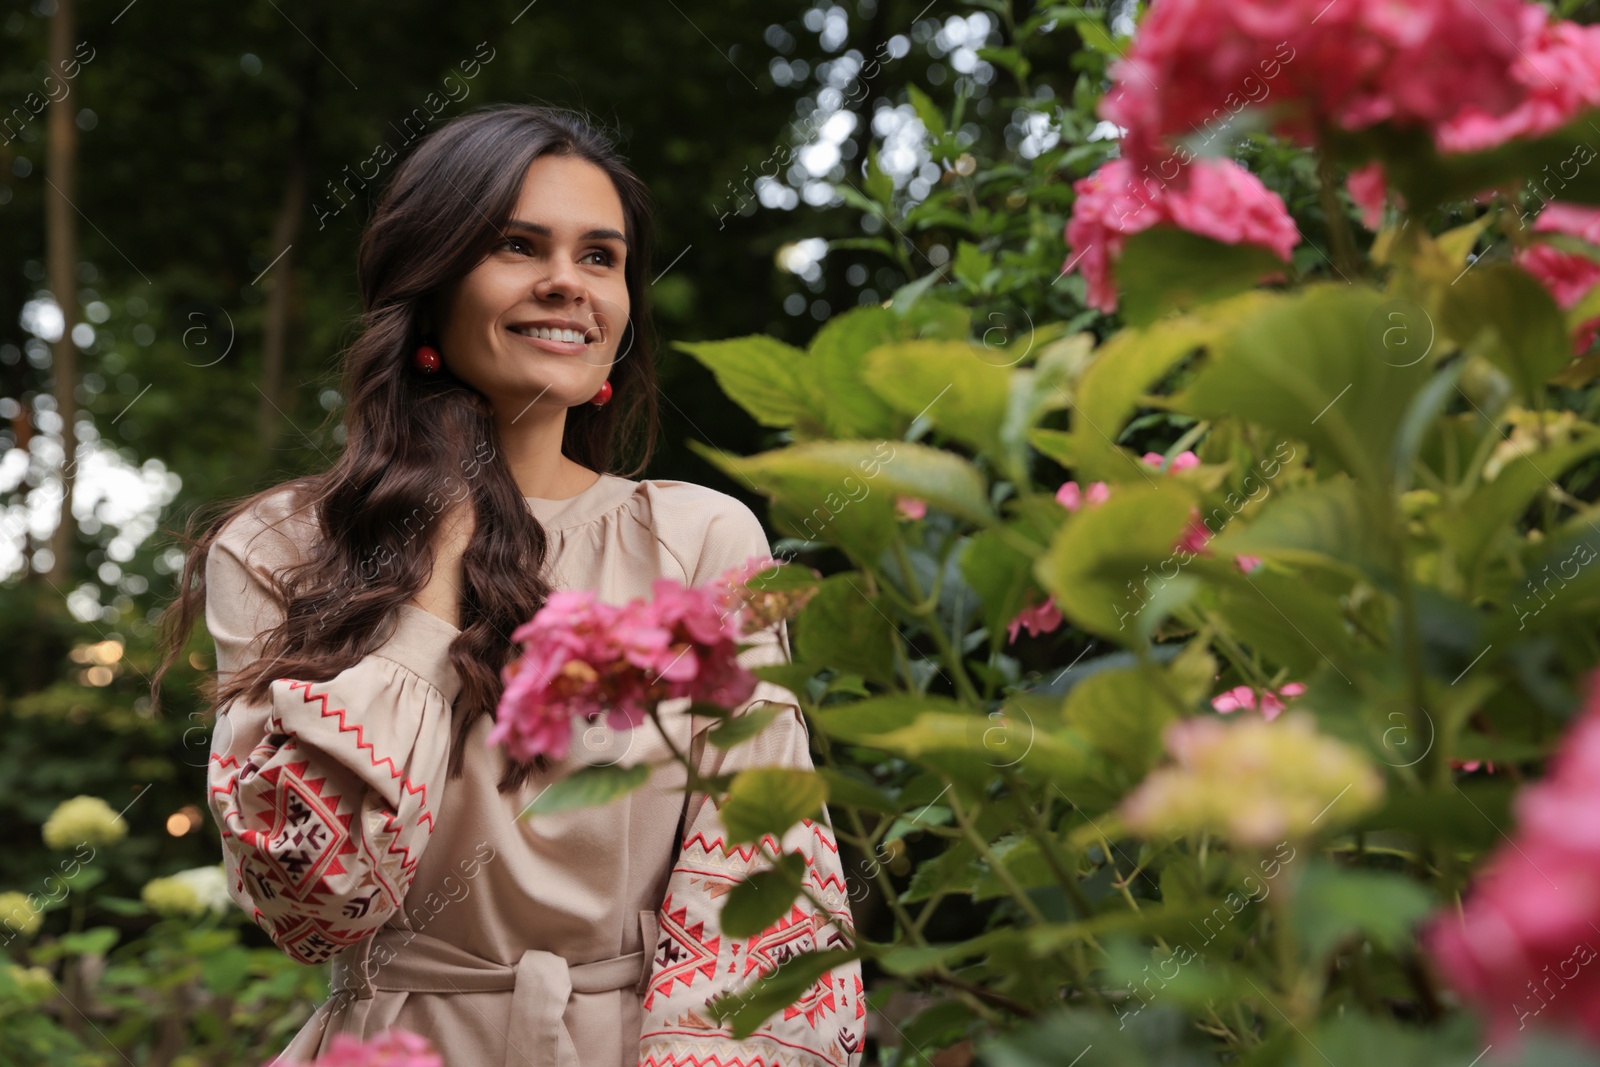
442,595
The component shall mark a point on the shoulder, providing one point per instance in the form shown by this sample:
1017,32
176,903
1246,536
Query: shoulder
706,529
273,529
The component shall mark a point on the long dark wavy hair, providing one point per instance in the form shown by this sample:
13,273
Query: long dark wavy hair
441,214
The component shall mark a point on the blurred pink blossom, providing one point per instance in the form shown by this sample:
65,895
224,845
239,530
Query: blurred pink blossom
1556,75
1522,945
1039,619
1215,198
1349,64
1567,275
1071,497
395,1047
1244,696
910,507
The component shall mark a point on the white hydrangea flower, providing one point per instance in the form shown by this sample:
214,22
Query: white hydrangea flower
84,819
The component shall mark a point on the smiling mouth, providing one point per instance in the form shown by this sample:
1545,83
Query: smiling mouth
593,335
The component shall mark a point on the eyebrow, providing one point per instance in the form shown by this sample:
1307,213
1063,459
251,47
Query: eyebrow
590,235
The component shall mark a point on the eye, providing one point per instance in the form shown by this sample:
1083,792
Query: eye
606,258
514,241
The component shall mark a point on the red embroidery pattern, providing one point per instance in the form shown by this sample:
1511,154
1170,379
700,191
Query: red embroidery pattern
315,850
694,962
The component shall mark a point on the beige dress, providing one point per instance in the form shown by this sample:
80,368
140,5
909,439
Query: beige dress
584,938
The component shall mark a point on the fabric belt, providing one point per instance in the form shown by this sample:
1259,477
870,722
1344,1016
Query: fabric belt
396,960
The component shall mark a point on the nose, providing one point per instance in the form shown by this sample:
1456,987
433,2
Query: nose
559,279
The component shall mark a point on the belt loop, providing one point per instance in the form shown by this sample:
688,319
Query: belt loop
649,934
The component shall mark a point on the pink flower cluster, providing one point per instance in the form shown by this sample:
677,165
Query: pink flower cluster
1523,948
586,658
1216,198
1472,73
1349,64
1556,75
1567,275
1272,702
1196,536
395,1047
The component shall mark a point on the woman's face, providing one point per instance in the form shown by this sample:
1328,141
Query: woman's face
559,266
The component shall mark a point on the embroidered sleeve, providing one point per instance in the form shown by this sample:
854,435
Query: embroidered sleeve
325,792
695,962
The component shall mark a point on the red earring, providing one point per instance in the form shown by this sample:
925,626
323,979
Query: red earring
427,359
602,394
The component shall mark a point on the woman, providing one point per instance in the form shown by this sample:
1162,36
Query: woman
362,616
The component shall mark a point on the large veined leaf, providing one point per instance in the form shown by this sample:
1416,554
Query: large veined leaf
769,800
763,897
949,383
843,492
842,627
1165,267
849,409
1098,554
1328,523
587,787
1473,527
762,375
1312,367
1125,366
1503,313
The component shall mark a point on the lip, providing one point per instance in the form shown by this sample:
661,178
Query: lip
563,347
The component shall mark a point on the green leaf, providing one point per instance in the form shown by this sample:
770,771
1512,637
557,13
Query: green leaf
739,728
746,1009
926,110
835,356
1332,903
972,266
951,384
863,720
587,787
1329,523
879,184
843,492
1311,366
842,627
761,375
763,897
769,800
1164,268
1122,714
1474,526
1505,314
1101,550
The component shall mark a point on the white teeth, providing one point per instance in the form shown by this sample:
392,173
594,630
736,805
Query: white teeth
571,336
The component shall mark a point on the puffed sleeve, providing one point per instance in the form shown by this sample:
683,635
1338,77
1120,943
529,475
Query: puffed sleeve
694,962
325,792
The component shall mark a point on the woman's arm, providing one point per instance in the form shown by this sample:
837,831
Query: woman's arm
324,792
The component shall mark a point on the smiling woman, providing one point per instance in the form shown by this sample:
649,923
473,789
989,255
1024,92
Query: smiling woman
365,820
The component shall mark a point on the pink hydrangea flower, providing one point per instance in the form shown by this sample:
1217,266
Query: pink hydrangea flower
395,1047
1039,619
910,507
1183,461
1244,696
1352,64
1567,275
1523,945
1215,198
1369,189
1556,74
582,657
1071,497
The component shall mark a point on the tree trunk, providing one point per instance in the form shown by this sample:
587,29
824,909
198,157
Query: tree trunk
61,252
280,294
